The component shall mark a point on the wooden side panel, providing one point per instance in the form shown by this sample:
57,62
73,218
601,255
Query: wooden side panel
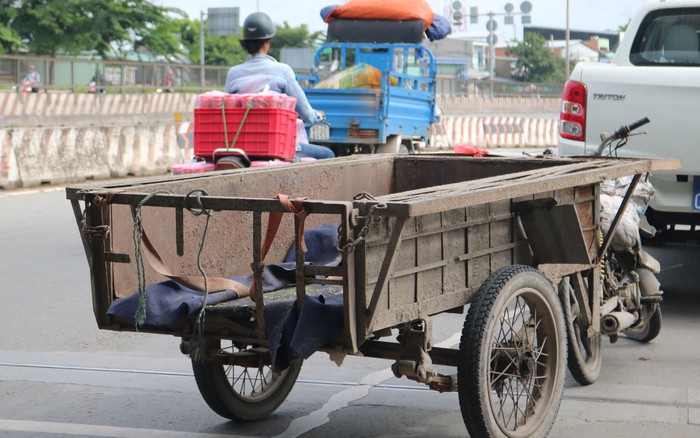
442,261
454,241
478,242
402,286
502,235
429,253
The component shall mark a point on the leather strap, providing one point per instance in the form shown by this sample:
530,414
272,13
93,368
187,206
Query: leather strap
273,223
191,281
221,283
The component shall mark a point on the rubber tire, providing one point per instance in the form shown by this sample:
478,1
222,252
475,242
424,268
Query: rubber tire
230,162
217,391
393,145
585,370
649,331
475,353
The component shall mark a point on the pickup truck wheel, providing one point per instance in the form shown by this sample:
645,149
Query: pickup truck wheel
393,145
585,359
511,365
239,392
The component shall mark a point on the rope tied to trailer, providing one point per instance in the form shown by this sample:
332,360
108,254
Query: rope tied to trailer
199,210
140,318
142,245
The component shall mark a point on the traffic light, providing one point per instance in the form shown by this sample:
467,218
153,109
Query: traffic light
457,16
474,15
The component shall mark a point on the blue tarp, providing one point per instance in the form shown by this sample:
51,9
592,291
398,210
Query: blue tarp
169,303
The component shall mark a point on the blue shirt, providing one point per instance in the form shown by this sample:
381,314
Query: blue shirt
260,70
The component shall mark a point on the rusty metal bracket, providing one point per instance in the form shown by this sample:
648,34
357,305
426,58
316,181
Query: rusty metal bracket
97,232
369,219
415,362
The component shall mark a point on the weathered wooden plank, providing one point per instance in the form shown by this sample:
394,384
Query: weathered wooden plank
442,198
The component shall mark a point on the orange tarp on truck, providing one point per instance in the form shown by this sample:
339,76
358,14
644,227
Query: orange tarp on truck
384,10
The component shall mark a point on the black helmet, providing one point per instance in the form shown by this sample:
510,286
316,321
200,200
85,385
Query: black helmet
258,26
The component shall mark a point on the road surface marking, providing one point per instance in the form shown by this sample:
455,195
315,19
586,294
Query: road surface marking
343,399
73,429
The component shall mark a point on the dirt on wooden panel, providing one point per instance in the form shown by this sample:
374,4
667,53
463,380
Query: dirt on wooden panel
402,288
375,255
588,215
478,240
454,245
429,248
501,234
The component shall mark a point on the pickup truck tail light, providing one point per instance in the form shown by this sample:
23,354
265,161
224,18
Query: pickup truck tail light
572,120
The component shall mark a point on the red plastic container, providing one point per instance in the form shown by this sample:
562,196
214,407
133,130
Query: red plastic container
266,132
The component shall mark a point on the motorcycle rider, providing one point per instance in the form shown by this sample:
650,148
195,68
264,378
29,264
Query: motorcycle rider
261,70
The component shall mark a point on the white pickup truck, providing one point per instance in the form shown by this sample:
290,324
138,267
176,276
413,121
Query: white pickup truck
655,74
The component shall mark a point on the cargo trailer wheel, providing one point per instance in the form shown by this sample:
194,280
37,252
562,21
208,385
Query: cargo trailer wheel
512,356
243,392
585,358
393,145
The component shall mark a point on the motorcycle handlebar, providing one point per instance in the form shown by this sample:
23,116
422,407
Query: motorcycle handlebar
621,132
624,130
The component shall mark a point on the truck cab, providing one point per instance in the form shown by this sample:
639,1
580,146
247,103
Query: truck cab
376,96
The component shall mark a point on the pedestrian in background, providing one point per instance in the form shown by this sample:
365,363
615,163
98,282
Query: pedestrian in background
32,80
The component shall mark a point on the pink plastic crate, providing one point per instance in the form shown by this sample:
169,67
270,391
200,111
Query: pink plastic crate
266,132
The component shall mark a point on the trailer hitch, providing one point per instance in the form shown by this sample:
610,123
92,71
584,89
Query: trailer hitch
415,362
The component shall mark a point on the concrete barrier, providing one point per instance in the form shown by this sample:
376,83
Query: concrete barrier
30,157
44,109
55,138
470,105
495,132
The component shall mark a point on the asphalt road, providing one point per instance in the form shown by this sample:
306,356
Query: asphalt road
61,376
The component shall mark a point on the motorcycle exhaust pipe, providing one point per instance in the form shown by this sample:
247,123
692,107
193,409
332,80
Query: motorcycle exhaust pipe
609,305
615,322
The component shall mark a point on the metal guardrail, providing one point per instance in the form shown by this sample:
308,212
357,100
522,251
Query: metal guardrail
89,75
83,75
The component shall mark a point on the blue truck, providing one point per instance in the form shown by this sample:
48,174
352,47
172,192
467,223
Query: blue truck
392,114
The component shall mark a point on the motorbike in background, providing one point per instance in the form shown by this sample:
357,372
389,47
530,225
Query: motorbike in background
627,300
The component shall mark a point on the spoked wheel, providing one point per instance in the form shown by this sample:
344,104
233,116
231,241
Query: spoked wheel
585,353
511,368
649,330
243,392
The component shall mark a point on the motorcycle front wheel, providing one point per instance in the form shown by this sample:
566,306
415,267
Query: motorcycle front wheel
585,358
645,332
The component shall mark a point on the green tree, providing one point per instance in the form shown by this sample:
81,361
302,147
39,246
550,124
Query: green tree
535,62
227,50
9,38
123,26
223,50
218,50
49,27
288,36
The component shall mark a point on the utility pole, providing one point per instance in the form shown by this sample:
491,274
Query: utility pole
201,49
568,39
